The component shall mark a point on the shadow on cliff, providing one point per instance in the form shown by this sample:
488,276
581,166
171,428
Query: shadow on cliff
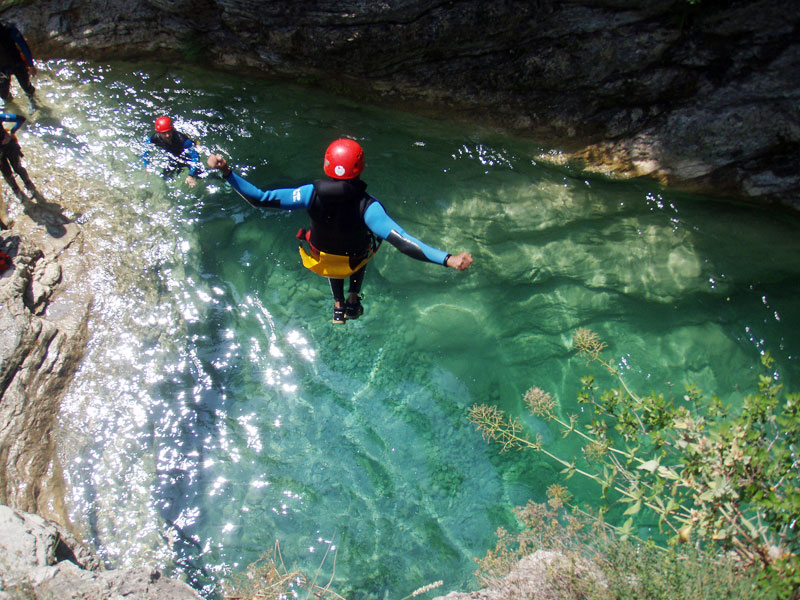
49,215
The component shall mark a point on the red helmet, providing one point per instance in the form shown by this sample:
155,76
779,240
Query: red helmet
344,159
163,124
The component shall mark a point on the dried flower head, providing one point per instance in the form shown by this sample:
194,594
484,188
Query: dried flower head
539,402
594,451
588,343
557,496
427,588
494,426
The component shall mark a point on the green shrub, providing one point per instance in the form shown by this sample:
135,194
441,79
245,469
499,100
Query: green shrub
725,482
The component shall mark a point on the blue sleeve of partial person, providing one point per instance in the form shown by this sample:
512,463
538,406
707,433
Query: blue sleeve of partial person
284,198
146,152
18,120
23,45
193,156
382,225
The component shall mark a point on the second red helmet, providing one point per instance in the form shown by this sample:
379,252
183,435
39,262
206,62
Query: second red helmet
163,124
344,159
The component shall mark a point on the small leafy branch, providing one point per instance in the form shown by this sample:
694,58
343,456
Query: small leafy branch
712,477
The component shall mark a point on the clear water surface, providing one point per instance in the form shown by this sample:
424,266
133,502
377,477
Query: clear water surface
219,410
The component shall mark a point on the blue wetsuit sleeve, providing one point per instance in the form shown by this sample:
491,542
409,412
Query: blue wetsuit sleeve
284,198
148,143
382,225
23,45
18,120
193,156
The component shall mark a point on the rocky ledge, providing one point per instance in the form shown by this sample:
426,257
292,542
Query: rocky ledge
702,95
40,559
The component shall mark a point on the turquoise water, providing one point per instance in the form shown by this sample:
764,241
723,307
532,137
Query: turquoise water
218,410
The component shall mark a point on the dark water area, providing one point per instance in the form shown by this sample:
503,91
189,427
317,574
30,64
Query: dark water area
218,409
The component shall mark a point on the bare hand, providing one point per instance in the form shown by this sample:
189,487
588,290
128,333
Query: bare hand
191,181
460,262
215,161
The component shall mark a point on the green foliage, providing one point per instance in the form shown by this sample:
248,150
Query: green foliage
727,482
597,564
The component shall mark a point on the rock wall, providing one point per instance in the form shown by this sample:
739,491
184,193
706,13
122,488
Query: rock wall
44,311
705,97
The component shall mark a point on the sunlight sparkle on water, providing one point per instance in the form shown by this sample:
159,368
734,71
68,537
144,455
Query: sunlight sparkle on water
212,368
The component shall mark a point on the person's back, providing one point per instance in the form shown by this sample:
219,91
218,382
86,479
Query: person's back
337,211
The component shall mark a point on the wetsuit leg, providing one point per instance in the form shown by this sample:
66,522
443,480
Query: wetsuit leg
5,169
24,79
16,162
337,289
12,153
5,85
356,280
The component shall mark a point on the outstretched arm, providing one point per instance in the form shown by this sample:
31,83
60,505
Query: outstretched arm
382,225
194,162
285,198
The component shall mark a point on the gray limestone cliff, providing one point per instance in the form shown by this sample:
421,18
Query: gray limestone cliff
703,96
44,311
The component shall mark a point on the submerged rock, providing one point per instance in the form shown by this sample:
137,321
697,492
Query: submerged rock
701,96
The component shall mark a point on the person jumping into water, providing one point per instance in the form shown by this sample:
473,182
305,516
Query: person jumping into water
178,145
11,155
347,224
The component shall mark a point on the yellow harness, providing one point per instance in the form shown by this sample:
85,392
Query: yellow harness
334,266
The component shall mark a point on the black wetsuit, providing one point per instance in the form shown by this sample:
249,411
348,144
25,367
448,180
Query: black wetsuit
11,153
336,211
15,58
178,144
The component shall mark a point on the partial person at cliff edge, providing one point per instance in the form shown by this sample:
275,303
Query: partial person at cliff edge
178,146
347,224
11,156
15,59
